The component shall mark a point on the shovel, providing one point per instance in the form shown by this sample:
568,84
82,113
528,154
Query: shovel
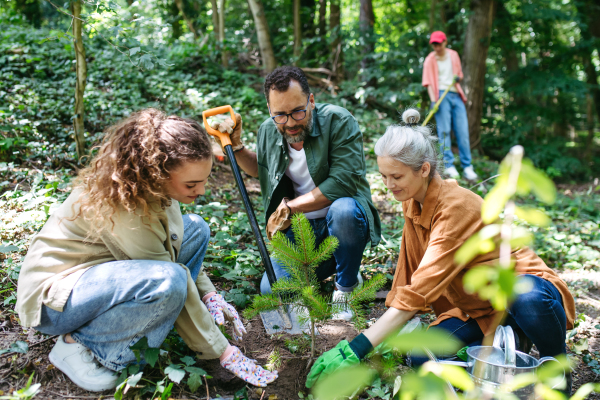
437,104
280,320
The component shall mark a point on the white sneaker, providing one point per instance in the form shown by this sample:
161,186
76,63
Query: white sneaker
469,173
78,363
338,295
451,172
345,313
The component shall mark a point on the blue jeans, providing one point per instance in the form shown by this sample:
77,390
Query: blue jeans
347,221
539,314
115,304
452,114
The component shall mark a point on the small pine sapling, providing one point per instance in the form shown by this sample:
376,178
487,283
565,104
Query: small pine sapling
301,290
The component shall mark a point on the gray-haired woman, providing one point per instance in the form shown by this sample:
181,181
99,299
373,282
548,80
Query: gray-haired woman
439,217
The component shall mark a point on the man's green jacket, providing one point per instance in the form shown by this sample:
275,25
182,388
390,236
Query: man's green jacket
335,159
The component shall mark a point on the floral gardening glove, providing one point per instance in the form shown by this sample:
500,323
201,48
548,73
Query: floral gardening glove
246,369
220,309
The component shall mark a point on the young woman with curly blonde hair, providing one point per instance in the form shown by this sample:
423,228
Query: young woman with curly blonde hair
118,262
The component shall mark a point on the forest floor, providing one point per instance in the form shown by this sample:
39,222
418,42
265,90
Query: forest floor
573,244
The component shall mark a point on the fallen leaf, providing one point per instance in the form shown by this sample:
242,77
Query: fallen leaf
273,397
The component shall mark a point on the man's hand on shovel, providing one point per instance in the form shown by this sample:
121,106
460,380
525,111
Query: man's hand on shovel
235,134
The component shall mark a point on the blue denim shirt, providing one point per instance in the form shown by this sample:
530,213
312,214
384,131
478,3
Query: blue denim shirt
335,159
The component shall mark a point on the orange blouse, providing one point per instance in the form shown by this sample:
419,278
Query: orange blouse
427,276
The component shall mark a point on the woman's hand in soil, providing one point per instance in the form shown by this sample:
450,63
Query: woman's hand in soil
341,356
235,134
221,310
246,369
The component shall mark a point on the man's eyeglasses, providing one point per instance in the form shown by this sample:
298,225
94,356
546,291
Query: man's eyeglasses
298,115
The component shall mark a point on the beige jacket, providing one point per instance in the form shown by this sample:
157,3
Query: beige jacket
60,253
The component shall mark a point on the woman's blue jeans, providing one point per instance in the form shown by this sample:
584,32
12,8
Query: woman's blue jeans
539,314
115,304
347,221
452,115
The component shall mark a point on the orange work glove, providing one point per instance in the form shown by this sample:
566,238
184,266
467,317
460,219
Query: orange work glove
280,219
235,134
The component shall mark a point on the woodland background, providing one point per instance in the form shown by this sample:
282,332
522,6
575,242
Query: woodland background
69,69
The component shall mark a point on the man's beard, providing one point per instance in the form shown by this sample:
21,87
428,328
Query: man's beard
300,136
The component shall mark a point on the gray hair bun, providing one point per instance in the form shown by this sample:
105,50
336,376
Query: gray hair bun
411,116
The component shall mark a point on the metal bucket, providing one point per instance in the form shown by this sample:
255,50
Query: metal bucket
491,367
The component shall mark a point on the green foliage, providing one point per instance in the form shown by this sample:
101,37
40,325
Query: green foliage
301,290
28,392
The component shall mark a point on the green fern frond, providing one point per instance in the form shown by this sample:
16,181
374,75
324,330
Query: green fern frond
325,251
304,236
265,302
368,290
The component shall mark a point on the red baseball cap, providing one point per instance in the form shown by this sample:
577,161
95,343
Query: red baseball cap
437,37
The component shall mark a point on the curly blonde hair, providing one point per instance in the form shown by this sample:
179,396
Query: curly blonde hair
134,162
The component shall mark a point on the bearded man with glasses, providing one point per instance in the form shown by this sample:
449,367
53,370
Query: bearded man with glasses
310,159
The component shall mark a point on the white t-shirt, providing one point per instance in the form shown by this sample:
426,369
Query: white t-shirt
445,73
297,171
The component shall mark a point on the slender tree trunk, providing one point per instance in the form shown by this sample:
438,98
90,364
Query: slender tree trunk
186,18
297,31
322,19
432,15
215,17
335,29
367,24
477,43
224,54
264,38
81,77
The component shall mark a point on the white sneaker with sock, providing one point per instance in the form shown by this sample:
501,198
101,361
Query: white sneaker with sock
346,313
78,363
451,172
470,173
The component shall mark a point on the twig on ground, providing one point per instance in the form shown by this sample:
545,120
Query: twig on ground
263,394
30,347
207,392
74,397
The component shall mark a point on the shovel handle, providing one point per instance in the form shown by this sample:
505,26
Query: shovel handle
222,136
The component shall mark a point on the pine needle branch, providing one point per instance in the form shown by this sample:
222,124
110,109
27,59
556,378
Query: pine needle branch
304,236
265,302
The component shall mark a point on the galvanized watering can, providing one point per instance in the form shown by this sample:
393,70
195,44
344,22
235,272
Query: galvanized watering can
492,366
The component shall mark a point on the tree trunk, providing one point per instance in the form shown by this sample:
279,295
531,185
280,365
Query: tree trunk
297,31
367,24
264,38
477,43
81,77
186,18
432,15
224,54
322,19
335,27
215,17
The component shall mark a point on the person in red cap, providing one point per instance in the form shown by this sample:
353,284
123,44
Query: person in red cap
441,70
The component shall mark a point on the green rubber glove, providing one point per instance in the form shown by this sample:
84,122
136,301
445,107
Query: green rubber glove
341,356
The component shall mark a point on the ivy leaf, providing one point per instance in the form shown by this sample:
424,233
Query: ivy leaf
146,62
195,370
8,248
194,382
175,373
151,356
19,347
187,360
